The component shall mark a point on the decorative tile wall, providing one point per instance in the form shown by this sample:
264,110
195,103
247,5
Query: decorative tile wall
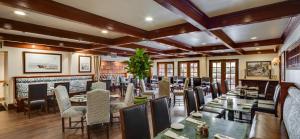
77,83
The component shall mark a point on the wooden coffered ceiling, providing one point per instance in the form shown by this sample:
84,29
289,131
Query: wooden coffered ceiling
180,28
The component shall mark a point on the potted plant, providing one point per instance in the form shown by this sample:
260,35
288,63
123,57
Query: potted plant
139,65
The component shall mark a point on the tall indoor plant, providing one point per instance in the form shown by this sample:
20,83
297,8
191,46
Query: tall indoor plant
139,65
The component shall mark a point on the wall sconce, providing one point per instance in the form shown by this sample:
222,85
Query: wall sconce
275,61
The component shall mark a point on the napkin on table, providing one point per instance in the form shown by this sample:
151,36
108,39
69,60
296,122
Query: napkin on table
173,135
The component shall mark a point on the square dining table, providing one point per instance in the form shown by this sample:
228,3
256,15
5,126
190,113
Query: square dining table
215,126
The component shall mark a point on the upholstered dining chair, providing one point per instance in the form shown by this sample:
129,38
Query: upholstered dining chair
67,110
164,88
180,92
98,85
145,91
214,90
263,96
98,110
227,87
189,99
37,98
160,114
128,101
133,127
89,85
66,84
201,102
269,106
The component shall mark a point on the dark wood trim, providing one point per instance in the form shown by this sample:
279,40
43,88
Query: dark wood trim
67,12
33,28
79,61
258,14
42,76
34,40
166,67
228,42
276,41
188,67
24,61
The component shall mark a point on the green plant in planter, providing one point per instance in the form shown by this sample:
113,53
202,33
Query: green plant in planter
139,65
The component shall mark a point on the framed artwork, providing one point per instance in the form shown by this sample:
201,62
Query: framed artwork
258,68
85,64
35,62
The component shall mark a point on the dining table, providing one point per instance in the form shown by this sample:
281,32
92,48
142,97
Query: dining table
216,127
82,99
233,104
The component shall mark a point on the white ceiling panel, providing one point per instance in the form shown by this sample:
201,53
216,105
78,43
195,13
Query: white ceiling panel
223,51
260,48
196,39
131,12
122,48
262,31
50,21
220,7
155,45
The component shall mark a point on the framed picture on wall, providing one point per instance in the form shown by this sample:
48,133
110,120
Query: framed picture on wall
35,62
85,64
258,68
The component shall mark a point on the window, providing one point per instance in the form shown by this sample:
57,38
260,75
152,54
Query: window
165,69
188,68
221,70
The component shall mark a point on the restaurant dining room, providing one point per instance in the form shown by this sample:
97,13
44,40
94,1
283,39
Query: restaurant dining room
149,69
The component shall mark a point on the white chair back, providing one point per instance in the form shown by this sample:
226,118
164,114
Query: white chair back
98,85
62,98
129,97
164,88
186,84
143,85
98,107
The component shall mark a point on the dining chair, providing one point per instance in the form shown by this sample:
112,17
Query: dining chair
180,92
196,81
67,110
154,79
134,122
263,96
146,92
66,84
98,110
89,85
160,114
219,88
214,90
98,85
189,99
164,88
269,106
128,101
227,87
37,98
201,102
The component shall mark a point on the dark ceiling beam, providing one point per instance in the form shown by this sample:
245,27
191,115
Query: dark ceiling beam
277,41
39,47
171,31
197,18
56,9
209,48
259,14
188,11
32,28
33,40
227,41
174,43
174,51
113,50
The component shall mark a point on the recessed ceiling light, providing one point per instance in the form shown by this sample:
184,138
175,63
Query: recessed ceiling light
104,31
33,46
149,19
203,43
257,48
253,38
20,13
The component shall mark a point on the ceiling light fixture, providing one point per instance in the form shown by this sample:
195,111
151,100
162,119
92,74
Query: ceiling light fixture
149,19
203,43
257,48
104,31
33,46
20,13
253,38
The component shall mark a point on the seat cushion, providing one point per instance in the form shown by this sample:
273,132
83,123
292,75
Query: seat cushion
35,102
270,102
265,106
213,110
116,106
74,111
